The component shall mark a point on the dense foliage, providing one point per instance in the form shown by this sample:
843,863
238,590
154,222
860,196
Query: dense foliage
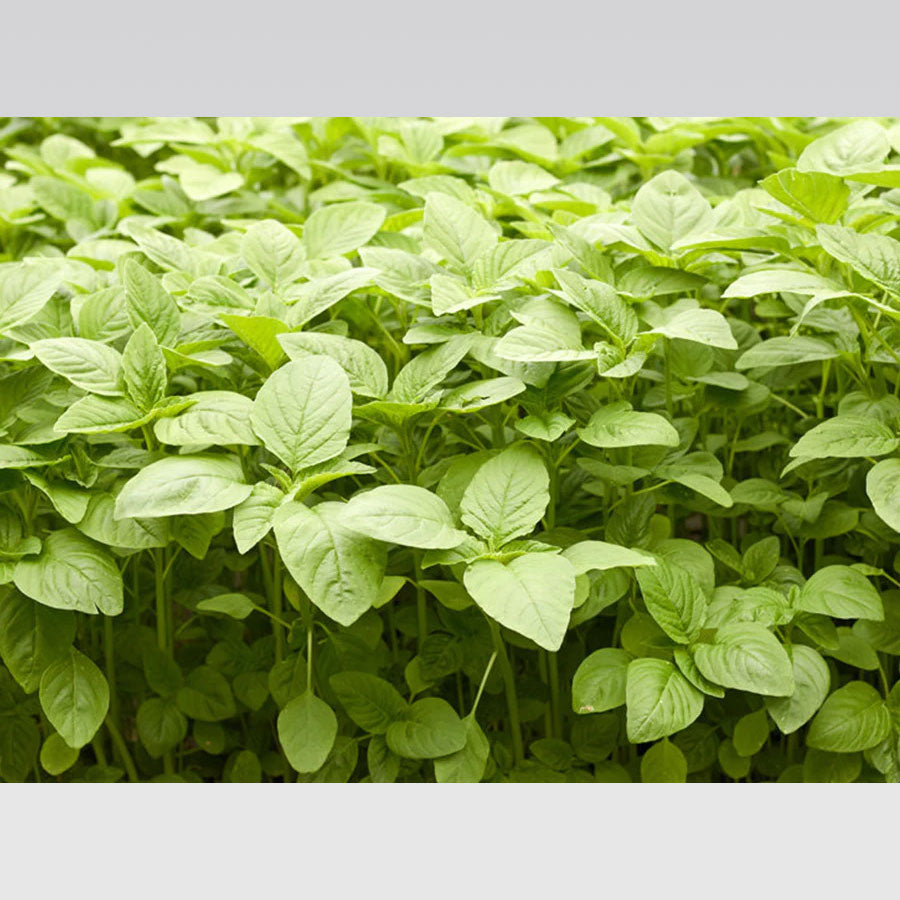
450,449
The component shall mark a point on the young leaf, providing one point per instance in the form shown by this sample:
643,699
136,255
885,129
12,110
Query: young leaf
659,700
144,369
599,682
183,485
403,514
747,657
339,570
307,727
532,594
674,599
428,729
853,718
811,682
618,425
841,592
302,412
75,697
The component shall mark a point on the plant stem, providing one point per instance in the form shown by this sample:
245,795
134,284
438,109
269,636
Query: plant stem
484,678
509,684
162,630
109,653
122,749
275,600
553,671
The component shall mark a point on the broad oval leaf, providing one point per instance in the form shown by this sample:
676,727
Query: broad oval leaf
747,657
853,718
75,697
659,700
307,727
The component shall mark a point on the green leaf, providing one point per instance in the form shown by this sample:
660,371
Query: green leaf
455,232
815,195
751,733
144,369
273,253
428,729
221,418
618,425
32,636
149,302
302,412
206,695
841,592
307,727
700,326
599,682
507,495
371,702
338,229
56,755
253,518
261,334
850,148
403,514
364,367
883,488
25,289
875,256
532,595
87,364
465,766
785,351
853,718
668,207
747,657
338,569
663,762
161,726
183,485
659,700
237,606
590,556
811,682
71,572
601,303
75,697
423,373
675,600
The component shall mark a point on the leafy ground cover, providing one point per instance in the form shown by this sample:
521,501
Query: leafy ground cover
450,449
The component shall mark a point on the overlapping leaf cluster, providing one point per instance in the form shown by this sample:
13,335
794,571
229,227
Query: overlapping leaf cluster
450,449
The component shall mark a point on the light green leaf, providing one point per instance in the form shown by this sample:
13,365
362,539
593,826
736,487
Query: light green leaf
701,326
456,232
32,636
403,514
260,333
161,726
339,570
424,372
659,700
875,256
588,556
669,207
302,413
307,727
853,718
338,229
252,518
785,351
182,486
860,145
371,702
747,657
25,289
599,301
840,592
815,195
665,763
507,496
75,697
599,682
618,425
811,682
532,595
273,253
465,766
675,600
428,729
87,364
221,418
148,301
71,572
144,369
883,488
846,437
364,367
